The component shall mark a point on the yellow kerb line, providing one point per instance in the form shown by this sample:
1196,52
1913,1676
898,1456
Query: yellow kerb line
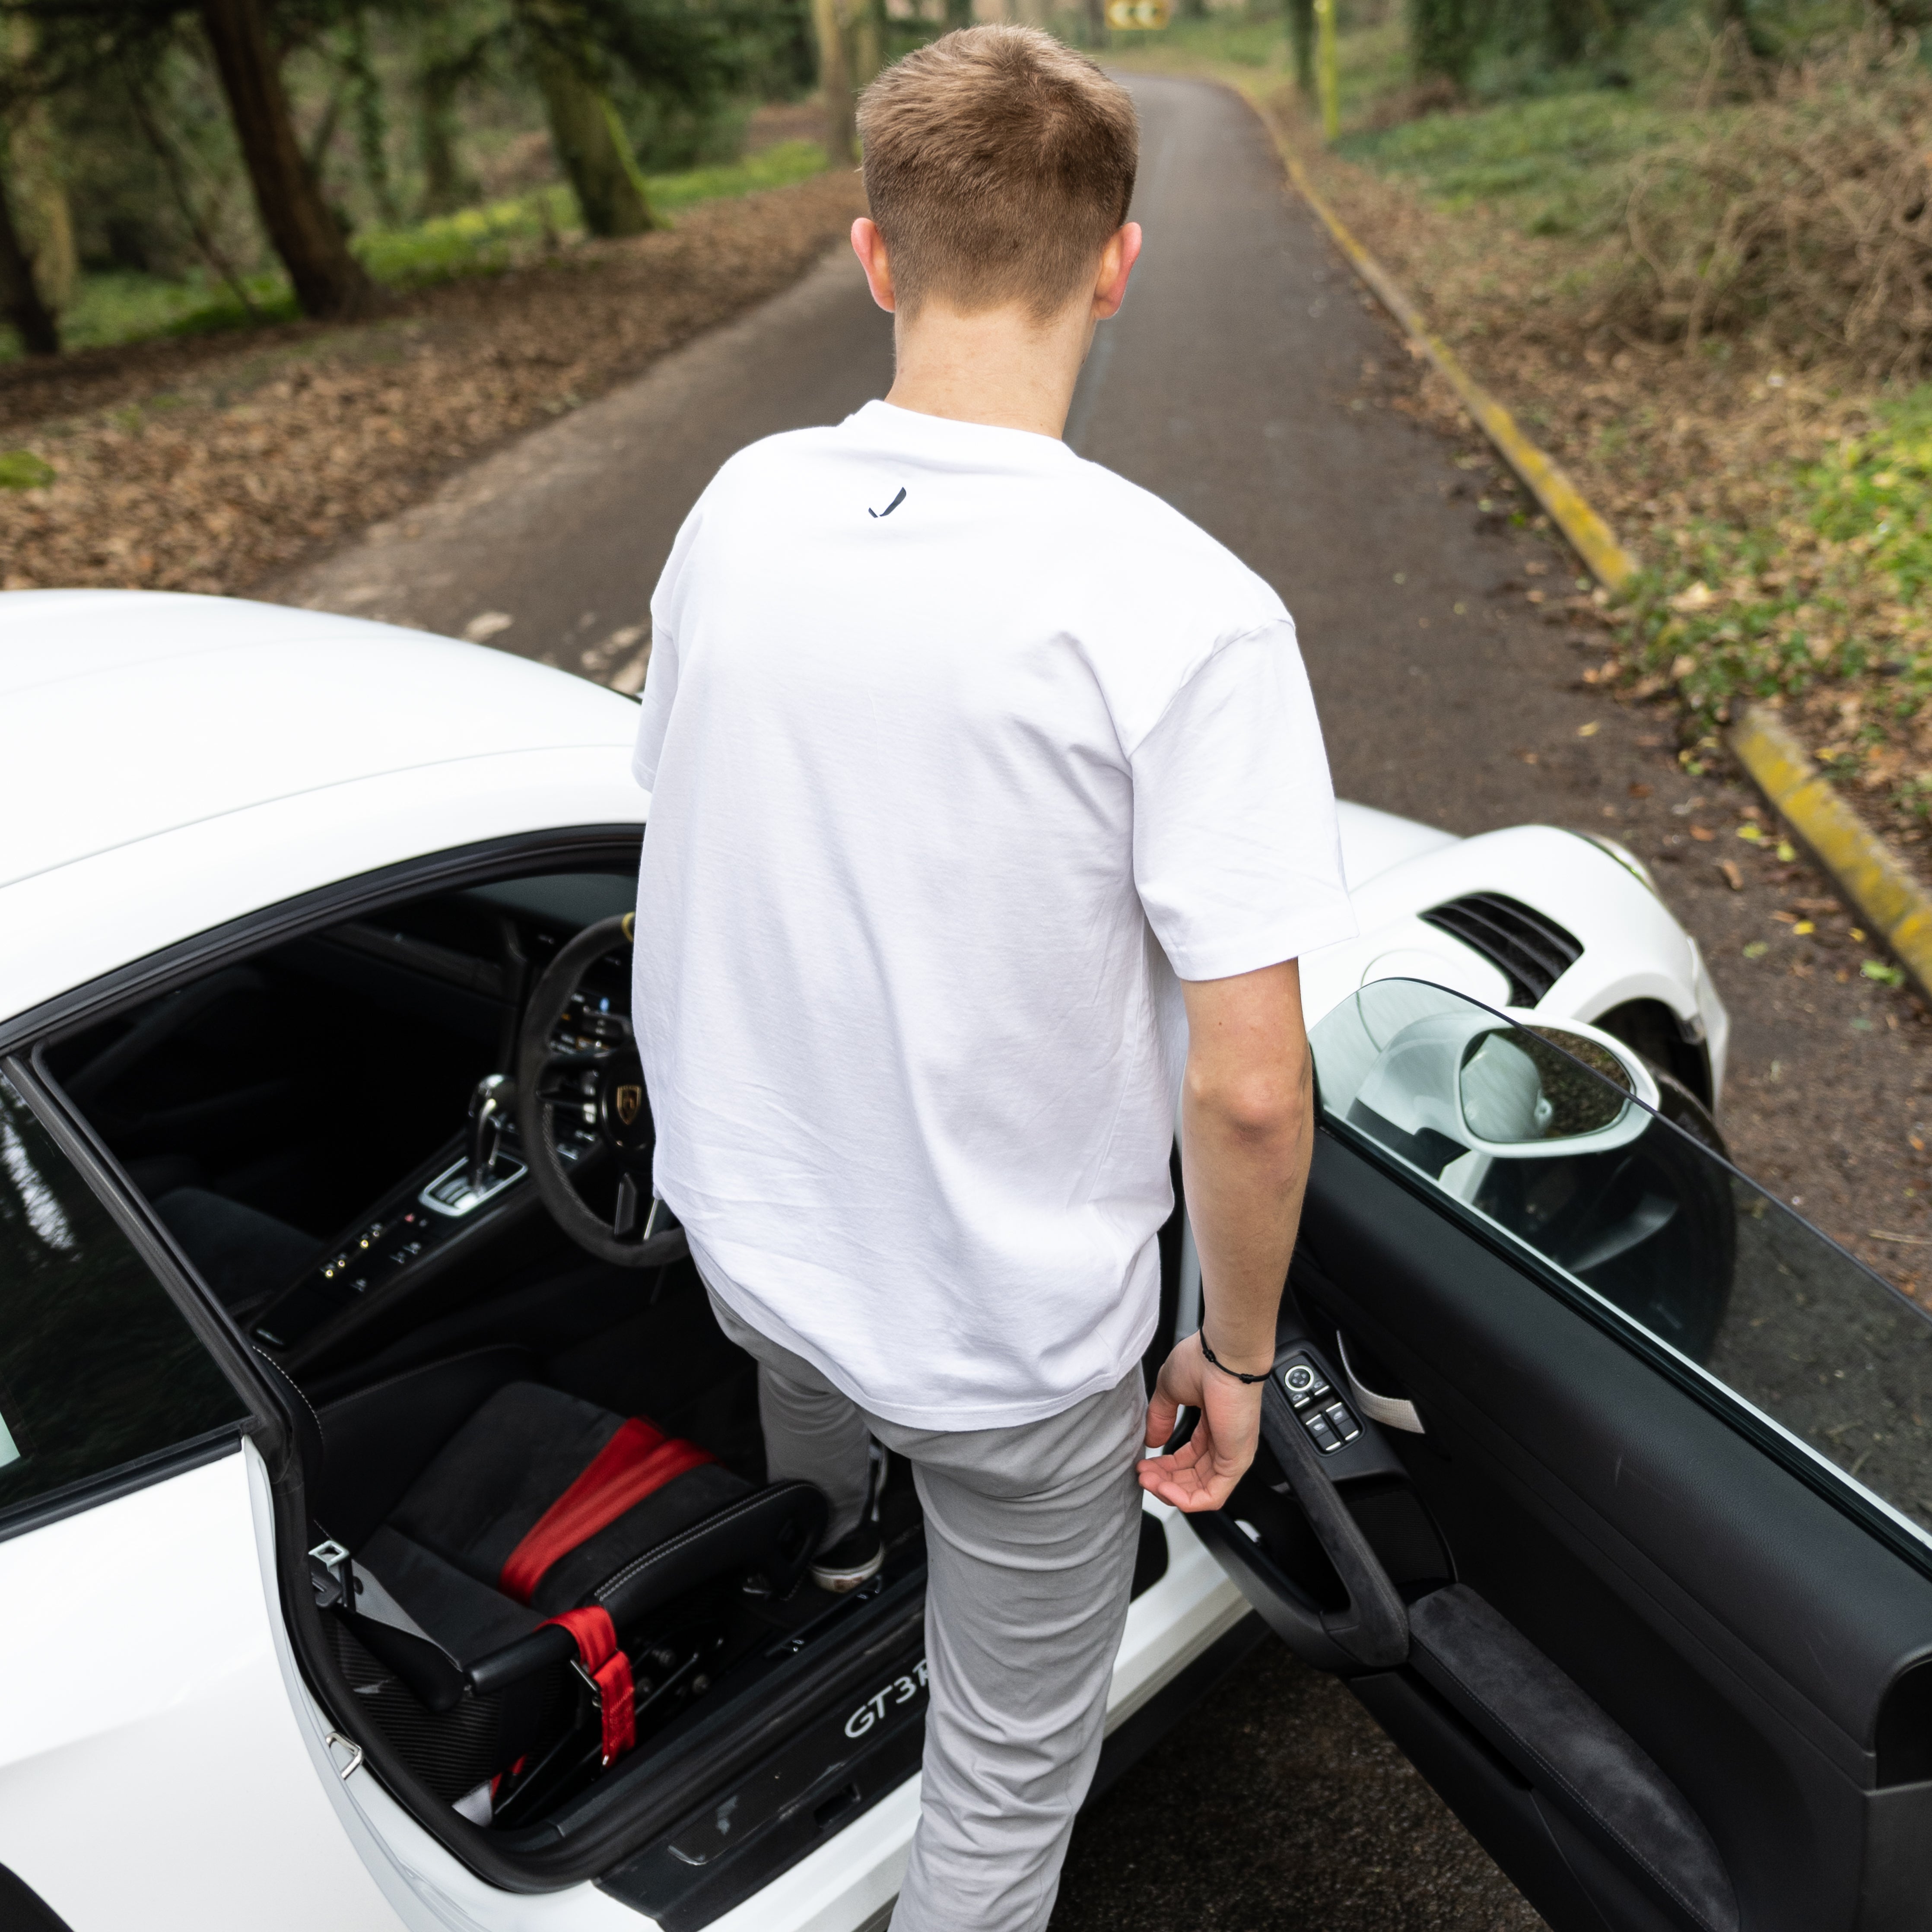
1591,539
1886,894
1865,869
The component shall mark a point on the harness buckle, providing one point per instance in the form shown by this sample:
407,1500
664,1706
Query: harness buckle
328,1574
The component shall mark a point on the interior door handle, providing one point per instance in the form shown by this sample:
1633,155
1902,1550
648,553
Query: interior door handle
1373,1629
1392,1411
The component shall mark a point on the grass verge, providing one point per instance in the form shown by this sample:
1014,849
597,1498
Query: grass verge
1762,444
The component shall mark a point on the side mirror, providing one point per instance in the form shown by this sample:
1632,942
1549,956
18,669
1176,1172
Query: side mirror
1506,1086
1522,1094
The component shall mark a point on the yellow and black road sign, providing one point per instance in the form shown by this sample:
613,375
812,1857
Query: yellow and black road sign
1138,12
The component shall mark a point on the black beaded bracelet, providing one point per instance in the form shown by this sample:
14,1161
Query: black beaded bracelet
1209,1353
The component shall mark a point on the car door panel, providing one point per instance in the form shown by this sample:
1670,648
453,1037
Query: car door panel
1717,1606
1647,1480
1749,1657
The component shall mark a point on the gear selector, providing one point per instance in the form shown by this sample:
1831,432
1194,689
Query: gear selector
489,1108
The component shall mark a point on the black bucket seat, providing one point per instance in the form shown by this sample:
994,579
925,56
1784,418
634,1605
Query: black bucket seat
483,1530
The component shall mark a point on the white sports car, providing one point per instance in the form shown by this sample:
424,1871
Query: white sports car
384,1535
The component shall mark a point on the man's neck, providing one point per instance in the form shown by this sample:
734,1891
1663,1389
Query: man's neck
998,367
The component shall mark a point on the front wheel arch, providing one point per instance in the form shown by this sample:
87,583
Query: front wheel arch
1648,1026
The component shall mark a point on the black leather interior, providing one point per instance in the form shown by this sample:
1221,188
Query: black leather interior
1562,1741
238,1250
434,1477
382,1438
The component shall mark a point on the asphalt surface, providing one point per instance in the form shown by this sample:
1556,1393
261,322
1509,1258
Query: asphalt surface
1251,383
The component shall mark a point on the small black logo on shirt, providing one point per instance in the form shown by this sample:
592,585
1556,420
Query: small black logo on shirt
889,507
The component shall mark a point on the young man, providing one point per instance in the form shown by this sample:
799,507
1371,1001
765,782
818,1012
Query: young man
971,767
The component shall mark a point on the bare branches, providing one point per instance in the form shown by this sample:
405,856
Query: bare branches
1806,214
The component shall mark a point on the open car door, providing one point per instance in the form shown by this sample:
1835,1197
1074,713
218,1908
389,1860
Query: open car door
1605,1481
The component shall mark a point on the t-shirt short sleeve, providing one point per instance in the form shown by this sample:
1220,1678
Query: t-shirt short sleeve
1236,853
661,678
660,689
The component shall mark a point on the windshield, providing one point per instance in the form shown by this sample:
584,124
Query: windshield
1548,1134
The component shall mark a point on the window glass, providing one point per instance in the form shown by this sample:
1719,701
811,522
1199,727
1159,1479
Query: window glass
1547,1133
97,1367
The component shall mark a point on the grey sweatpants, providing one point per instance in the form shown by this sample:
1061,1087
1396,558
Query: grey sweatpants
1031,1534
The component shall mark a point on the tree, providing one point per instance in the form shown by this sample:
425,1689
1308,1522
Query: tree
371,117
37,257
327,279
76,37
835,81
867,42
1301,38
20,301
591,147
449,53
1442,37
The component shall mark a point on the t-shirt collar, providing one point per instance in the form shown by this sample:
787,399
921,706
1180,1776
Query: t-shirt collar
946,437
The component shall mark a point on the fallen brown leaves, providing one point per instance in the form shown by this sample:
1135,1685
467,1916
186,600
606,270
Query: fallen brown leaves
206,466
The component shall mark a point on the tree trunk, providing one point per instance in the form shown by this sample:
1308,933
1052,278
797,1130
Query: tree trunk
372,120
1301,38
1442,39
1735,16
835,83
443,69
20,302
591,144
42,215
868,43
328,280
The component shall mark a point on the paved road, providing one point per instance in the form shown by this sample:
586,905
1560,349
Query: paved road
551,548
1250,383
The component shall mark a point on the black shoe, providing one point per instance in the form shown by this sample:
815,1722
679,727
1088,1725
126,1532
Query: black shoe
850,1560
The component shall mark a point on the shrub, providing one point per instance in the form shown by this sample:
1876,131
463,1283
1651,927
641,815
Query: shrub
1804,216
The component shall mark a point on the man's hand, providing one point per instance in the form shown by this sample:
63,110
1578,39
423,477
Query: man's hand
1246,1132
1202,1473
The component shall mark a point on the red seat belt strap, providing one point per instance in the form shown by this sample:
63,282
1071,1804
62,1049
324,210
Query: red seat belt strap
607,1671
637,1461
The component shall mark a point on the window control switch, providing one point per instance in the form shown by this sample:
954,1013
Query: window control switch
1303,1383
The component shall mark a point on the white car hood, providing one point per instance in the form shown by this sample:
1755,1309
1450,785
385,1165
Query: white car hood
185,709
1372,841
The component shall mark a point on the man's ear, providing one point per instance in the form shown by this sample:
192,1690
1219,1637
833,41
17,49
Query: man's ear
1117,264
869,245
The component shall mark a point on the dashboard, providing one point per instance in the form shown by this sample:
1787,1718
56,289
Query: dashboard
323,1087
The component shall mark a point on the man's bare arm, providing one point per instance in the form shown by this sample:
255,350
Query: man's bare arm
1247,1134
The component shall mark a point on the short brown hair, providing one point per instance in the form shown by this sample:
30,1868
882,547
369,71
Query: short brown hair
998,163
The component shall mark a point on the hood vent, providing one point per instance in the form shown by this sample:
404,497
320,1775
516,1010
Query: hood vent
1531,951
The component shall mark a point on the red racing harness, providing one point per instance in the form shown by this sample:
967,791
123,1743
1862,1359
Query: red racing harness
636,1463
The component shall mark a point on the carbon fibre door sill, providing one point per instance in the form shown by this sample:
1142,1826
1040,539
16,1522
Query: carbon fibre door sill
739,1840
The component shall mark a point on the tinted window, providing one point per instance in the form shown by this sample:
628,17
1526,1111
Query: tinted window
97,1367
1547,1134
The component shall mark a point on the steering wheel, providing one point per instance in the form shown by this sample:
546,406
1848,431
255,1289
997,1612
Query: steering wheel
596,1084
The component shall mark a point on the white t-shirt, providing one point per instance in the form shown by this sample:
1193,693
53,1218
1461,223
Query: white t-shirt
959,749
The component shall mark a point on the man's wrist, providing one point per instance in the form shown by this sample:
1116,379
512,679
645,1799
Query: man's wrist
1235,1368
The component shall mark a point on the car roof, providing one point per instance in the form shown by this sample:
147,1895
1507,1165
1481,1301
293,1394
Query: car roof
128,714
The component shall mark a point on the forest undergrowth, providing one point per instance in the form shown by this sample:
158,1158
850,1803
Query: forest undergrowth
1707,290
212,463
